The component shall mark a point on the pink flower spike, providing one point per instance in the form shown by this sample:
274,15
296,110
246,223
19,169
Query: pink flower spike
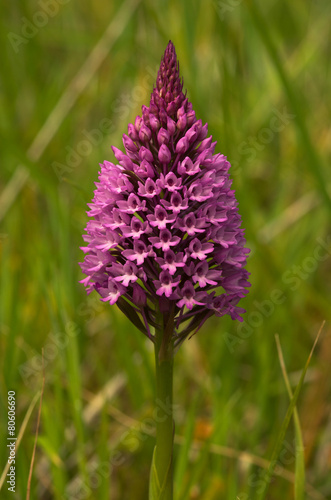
165,231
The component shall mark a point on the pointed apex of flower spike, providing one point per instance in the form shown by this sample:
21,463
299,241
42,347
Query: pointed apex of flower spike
168,94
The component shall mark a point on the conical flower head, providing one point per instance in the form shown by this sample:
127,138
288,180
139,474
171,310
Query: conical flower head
164,239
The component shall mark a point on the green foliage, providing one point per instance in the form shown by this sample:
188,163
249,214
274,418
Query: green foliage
258,72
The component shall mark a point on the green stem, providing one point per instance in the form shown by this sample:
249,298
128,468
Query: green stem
164,415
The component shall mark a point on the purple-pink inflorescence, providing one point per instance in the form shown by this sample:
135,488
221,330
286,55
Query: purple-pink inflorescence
165,231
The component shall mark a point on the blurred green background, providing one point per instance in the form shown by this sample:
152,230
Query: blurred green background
73,75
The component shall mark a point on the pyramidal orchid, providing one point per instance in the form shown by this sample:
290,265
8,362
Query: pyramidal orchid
164,242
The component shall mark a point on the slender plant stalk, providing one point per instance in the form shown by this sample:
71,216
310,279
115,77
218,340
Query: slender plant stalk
163,458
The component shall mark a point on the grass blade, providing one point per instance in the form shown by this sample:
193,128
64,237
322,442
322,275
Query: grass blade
286,421
300,477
